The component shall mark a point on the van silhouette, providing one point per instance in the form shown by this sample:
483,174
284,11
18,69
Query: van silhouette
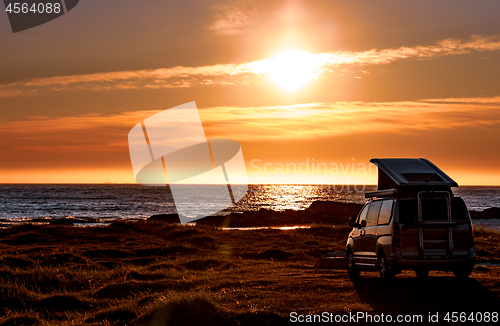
412,222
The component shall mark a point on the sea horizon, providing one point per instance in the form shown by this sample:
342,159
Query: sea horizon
105,202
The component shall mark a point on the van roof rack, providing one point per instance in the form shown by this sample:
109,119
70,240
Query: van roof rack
382,193
396,173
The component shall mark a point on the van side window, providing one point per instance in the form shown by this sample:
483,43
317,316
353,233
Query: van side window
372,216
362,215
385,212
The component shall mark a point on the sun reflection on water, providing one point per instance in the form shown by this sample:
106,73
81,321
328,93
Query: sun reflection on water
296,197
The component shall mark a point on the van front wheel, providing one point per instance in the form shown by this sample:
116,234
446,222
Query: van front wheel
386,273
352,270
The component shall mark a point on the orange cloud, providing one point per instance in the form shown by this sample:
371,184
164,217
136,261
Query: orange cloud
246,73
323,120
233,22
300,121
41,125
236,17
94,142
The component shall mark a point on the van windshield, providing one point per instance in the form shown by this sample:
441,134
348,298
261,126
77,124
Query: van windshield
432,209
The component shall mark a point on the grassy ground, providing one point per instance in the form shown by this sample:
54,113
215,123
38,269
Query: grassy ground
146,273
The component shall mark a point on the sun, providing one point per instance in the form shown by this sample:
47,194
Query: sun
291,69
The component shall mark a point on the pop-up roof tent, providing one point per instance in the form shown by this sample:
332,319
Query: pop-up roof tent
399,175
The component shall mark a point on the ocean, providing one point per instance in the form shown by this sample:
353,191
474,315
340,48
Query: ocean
105,202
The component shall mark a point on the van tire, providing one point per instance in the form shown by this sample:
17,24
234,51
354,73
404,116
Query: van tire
462,273
422,273
352,269
386,273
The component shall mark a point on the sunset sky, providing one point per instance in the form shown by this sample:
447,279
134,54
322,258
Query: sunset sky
297,83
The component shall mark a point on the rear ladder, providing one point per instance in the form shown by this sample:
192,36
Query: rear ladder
448,243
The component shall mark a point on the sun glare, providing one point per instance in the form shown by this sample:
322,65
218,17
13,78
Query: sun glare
291,69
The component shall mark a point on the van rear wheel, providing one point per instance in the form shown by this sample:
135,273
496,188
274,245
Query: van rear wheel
462,273
386,273
352,270
422,273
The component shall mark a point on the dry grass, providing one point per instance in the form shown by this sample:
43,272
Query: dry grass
145,273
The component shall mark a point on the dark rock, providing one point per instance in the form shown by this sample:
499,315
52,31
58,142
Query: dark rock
70,220
40,220
335,212
218,220
328,212
62,222
482,253
488,213
164,218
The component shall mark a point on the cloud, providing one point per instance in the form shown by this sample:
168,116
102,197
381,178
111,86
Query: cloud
300,121
443,48
233,23
97,141
243,74
63,137
37,125
13,92
235,17
324,120
466,100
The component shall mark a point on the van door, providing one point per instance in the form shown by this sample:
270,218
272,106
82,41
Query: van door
358,236
438,235
408,229
462,230
370,238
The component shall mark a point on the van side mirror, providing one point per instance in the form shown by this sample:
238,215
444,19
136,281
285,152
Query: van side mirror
363,223
352,222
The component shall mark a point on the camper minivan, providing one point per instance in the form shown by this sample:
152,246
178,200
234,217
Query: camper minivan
412,222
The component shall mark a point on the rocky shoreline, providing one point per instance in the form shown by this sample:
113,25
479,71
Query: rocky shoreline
487,214
320,212
327,212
